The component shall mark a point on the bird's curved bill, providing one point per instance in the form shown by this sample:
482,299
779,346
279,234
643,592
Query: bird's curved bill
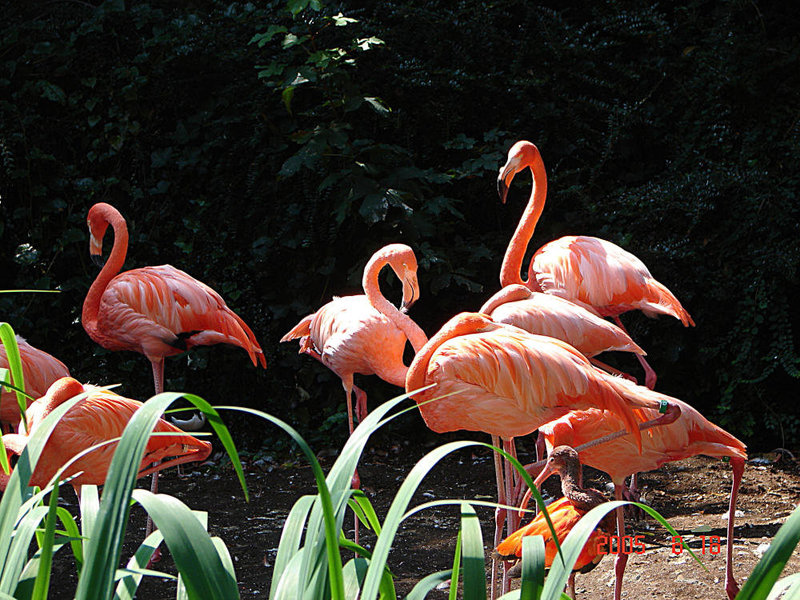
410,292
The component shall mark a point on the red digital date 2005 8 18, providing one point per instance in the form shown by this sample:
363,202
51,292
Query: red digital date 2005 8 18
635,544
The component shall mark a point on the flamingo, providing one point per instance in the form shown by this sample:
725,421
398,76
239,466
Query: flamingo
102,415
690,435
589,271
565,514
156,311
365,334
39,370
507,382
553,316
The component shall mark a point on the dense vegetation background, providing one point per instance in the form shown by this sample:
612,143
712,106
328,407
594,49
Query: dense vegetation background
269,148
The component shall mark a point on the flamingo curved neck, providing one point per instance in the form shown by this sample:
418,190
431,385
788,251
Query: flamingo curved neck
515,253
415,378
91,305
401,320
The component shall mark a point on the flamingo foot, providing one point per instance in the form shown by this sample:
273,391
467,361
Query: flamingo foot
731,589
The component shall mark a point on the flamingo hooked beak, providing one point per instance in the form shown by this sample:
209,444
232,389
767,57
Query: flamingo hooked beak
410,291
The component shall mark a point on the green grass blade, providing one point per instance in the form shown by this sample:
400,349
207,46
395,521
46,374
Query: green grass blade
395,515
9,340
353,573
456,571
769,568
290,539
46,540
72,532
532,567
791,583
427,584
129,581
472,554
331,538
89,506
18,555
196,558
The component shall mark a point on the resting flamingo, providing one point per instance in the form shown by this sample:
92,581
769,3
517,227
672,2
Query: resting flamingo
365,334
39,370
504,381
690,435
102,415
545,314
565,513
589,271
156,311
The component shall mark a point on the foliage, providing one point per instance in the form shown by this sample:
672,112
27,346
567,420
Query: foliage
240,139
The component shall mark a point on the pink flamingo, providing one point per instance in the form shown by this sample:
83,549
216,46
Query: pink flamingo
39,370
100,416
506,382
156,311
690,435
589,271
365,334
553,316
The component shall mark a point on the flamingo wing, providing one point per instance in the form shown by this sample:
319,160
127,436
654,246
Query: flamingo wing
603,277
162,311
508,383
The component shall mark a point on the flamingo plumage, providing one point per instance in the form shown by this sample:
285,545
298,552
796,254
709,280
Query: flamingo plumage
586,270
553,316
689,435
507,382
39,370
102,415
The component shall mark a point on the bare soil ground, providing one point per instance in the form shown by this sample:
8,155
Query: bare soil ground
691,494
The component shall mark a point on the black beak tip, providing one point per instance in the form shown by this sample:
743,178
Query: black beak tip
502,189
97,259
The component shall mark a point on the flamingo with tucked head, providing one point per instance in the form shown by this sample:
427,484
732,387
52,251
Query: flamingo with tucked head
586,270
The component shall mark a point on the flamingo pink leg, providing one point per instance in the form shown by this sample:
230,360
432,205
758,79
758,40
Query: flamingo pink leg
622,558
158,382
731,587
649,373
612,370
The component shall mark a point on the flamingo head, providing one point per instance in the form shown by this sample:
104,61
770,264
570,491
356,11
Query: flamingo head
97,220
404,263
521,155
59,392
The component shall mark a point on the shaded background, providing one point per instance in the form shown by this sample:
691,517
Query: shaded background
270,154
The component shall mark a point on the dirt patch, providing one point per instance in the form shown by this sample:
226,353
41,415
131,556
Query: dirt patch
692,494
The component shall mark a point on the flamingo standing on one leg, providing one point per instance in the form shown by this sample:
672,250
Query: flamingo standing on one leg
506,382
102,415
690,435
365,334
586,270
39,370
156,311
565,513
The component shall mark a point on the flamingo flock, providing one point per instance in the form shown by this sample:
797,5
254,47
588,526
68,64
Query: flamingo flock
524,362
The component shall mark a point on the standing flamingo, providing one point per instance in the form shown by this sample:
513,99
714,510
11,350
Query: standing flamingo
545,314
690,435
365,334
102,415
565,513
586,270
506,382
156,311
39,370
